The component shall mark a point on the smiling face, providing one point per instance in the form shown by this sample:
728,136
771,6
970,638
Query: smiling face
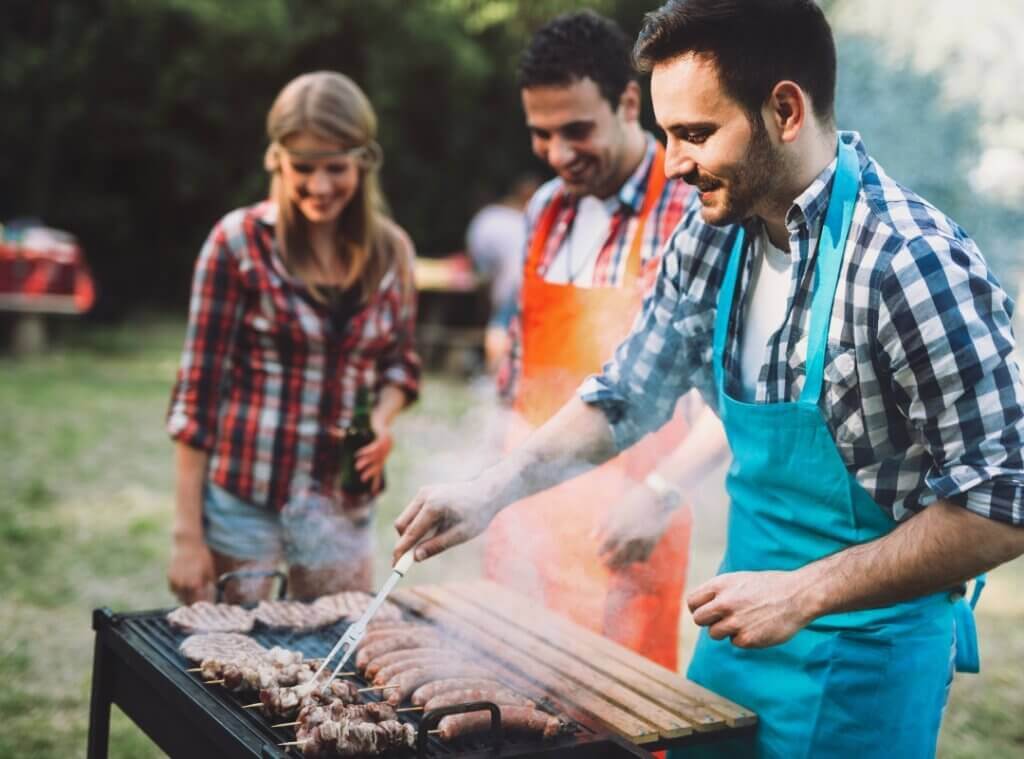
319,177
575,131
711,142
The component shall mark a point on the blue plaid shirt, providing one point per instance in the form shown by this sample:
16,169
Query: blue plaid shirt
921,393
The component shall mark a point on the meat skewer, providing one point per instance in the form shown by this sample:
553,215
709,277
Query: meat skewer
311,715
342,738
286,702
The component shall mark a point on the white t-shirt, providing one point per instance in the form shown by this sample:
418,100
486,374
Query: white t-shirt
766,309
577,256
495,238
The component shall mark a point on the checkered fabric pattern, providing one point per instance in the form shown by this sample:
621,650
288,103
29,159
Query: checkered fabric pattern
921,393
610,267
266,375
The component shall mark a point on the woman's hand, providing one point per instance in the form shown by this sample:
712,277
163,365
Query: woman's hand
370,458
191,575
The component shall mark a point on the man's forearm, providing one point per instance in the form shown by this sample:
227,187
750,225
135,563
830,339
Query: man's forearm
573,441
940,548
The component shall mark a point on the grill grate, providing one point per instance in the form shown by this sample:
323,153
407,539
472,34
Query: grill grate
155,630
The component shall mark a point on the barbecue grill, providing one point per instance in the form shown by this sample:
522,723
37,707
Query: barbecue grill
137,666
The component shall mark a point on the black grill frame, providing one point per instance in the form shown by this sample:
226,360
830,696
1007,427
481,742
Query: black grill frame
136,665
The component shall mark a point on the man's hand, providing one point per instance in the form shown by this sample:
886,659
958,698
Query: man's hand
190,576
454,513
754,609
632,528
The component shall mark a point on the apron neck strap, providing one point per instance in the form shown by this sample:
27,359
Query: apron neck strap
726,298
655,185
831,247
838,219
541,233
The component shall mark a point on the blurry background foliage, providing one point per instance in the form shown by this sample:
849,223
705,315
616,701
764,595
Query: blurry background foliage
136,124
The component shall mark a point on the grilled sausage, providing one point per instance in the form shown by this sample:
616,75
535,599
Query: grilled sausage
519,719
377,634
499,696
414,658
425,693
411,679
396,657
369,651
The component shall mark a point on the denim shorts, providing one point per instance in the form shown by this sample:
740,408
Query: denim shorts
311,530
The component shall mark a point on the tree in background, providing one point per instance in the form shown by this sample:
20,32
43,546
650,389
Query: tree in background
136,124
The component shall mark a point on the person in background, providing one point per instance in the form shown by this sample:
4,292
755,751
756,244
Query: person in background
298,303
594,238
495,239
876,434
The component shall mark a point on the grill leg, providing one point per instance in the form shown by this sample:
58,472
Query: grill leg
99,705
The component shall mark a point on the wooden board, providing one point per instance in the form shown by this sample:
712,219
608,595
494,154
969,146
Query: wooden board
702,707
588,673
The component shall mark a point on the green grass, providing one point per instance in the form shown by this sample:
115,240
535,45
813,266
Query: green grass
85,508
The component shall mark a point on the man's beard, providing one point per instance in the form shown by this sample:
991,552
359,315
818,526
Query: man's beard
754,177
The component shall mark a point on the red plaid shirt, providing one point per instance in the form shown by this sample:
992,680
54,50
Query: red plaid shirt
265,375
610,267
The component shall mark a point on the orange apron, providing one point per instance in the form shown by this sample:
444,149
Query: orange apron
544,546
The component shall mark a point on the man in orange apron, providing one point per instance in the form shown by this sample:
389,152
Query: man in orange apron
596,232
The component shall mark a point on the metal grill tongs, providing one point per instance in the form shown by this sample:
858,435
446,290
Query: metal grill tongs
357,629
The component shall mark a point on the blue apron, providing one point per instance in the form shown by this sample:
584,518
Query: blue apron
855,684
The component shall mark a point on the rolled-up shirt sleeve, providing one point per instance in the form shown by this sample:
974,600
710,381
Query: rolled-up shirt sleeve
944,331
668,350
214,312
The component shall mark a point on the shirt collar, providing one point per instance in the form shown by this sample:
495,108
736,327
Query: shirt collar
266,213
634,189
810,205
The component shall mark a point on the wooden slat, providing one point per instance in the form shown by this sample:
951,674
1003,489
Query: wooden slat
580,703
566,668
596,652
517,609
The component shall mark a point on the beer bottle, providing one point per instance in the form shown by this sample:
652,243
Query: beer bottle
359,433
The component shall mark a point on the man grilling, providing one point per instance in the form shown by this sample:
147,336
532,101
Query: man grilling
875,414
595,234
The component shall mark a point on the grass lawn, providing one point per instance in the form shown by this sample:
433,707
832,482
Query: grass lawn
85,509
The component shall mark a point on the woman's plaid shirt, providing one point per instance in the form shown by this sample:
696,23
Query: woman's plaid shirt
266,376
921,393
610,267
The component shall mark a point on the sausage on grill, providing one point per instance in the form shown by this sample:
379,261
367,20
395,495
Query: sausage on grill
410,680
369,651
443,659
424,693
394,657
518,719
500,696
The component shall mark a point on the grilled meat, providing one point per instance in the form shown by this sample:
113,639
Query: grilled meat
203,616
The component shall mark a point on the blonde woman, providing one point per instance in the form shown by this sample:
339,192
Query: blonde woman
297,303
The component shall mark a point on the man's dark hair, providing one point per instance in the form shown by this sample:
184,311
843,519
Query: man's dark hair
576,46
755,44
